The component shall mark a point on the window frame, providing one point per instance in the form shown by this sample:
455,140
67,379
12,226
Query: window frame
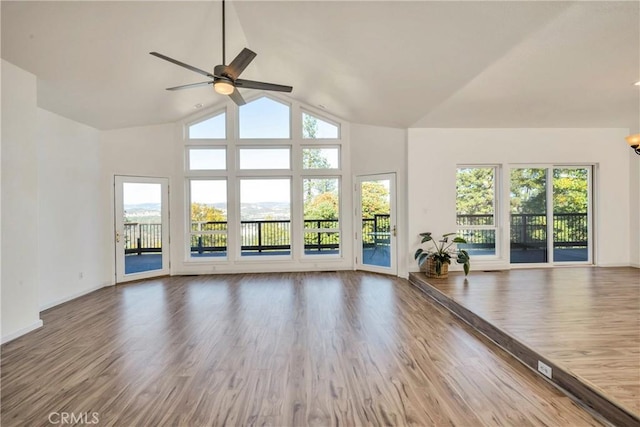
304,111
234,175
203,118
237,119
288,147
320,147
323,230
187,159
189,223
496,227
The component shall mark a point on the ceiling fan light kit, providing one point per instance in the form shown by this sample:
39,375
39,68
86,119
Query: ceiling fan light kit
224,78
223,87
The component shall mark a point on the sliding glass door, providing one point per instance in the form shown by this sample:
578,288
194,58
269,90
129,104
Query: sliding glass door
550,215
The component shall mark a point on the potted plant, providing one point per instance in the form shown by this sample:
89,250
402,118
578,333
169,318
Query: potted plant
438,254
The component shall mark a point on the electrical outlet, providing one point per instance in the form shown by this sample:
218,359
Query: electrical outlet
544,369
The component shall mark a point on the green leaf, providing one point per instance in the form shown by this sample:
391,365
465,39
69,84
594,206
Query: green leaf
423,258
417,254
459,240
466,267
427,238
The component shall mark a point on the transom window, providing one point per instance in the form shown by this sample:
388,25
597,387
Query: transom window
265,158
207,158
320,158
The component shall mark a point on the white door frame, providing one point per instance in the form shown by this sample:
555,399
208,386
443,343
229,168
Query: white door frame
393,240
119,181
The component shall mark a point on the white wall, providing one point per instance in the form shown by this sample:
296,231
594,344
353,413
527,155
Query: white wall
434,153
71,239
19,281
376,150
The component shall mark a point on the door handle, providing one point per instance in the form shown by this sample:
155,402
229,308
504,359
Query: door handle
395,231
117,237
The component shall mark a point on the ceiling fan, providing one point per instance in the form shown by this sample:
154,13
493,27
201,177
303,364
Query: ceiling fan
225,79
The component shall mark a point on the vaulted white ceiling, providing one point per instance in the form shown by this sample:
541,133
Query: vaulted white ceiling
387,63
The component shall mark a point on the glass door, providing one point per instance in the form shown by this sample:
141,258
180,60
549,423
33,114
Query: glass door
528,226
141,227
551,215
376,223
571,214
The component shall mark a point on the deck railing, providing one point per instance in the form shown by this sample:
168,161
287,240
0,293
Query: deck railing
526,231
530,230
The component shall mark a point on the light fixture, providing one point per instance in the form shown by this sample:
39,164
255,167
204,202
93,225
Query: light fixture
634,142
637,83
223,87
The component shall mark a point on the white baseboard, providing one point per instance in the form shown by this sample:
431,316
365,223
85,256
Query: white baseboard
72,296
21,332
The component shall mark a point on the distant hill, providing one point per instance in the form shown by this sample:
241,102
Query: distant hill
143,212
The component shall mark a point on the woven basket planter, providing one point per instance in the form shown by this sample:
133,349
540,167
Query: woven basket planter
429,268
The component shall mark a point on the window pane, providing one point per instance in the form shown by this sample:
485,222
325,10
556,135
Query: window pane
528,216
376,222
475,189
211,128
322,243
315,128
321,158
264,118
479,242
207,159
321,214
208,213
570,215
265,213
265,158
321,200
143,244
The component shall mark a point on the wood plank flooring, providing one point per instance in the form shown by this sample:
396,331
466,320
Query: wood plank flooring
295,349
585,319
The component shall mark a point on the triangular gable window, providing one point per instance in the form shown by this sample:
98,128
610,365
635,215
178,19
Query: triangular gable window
265,118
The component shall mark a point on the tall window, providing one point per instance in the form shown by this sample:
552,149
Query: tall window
321,216
476,209
208,217
265,215
283,188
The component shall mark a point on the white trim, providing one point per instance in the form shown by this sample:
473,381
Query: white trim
23,331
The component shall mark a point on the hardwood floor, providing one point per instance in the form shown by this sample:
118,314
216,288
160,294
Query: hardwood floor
293,349
585,321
